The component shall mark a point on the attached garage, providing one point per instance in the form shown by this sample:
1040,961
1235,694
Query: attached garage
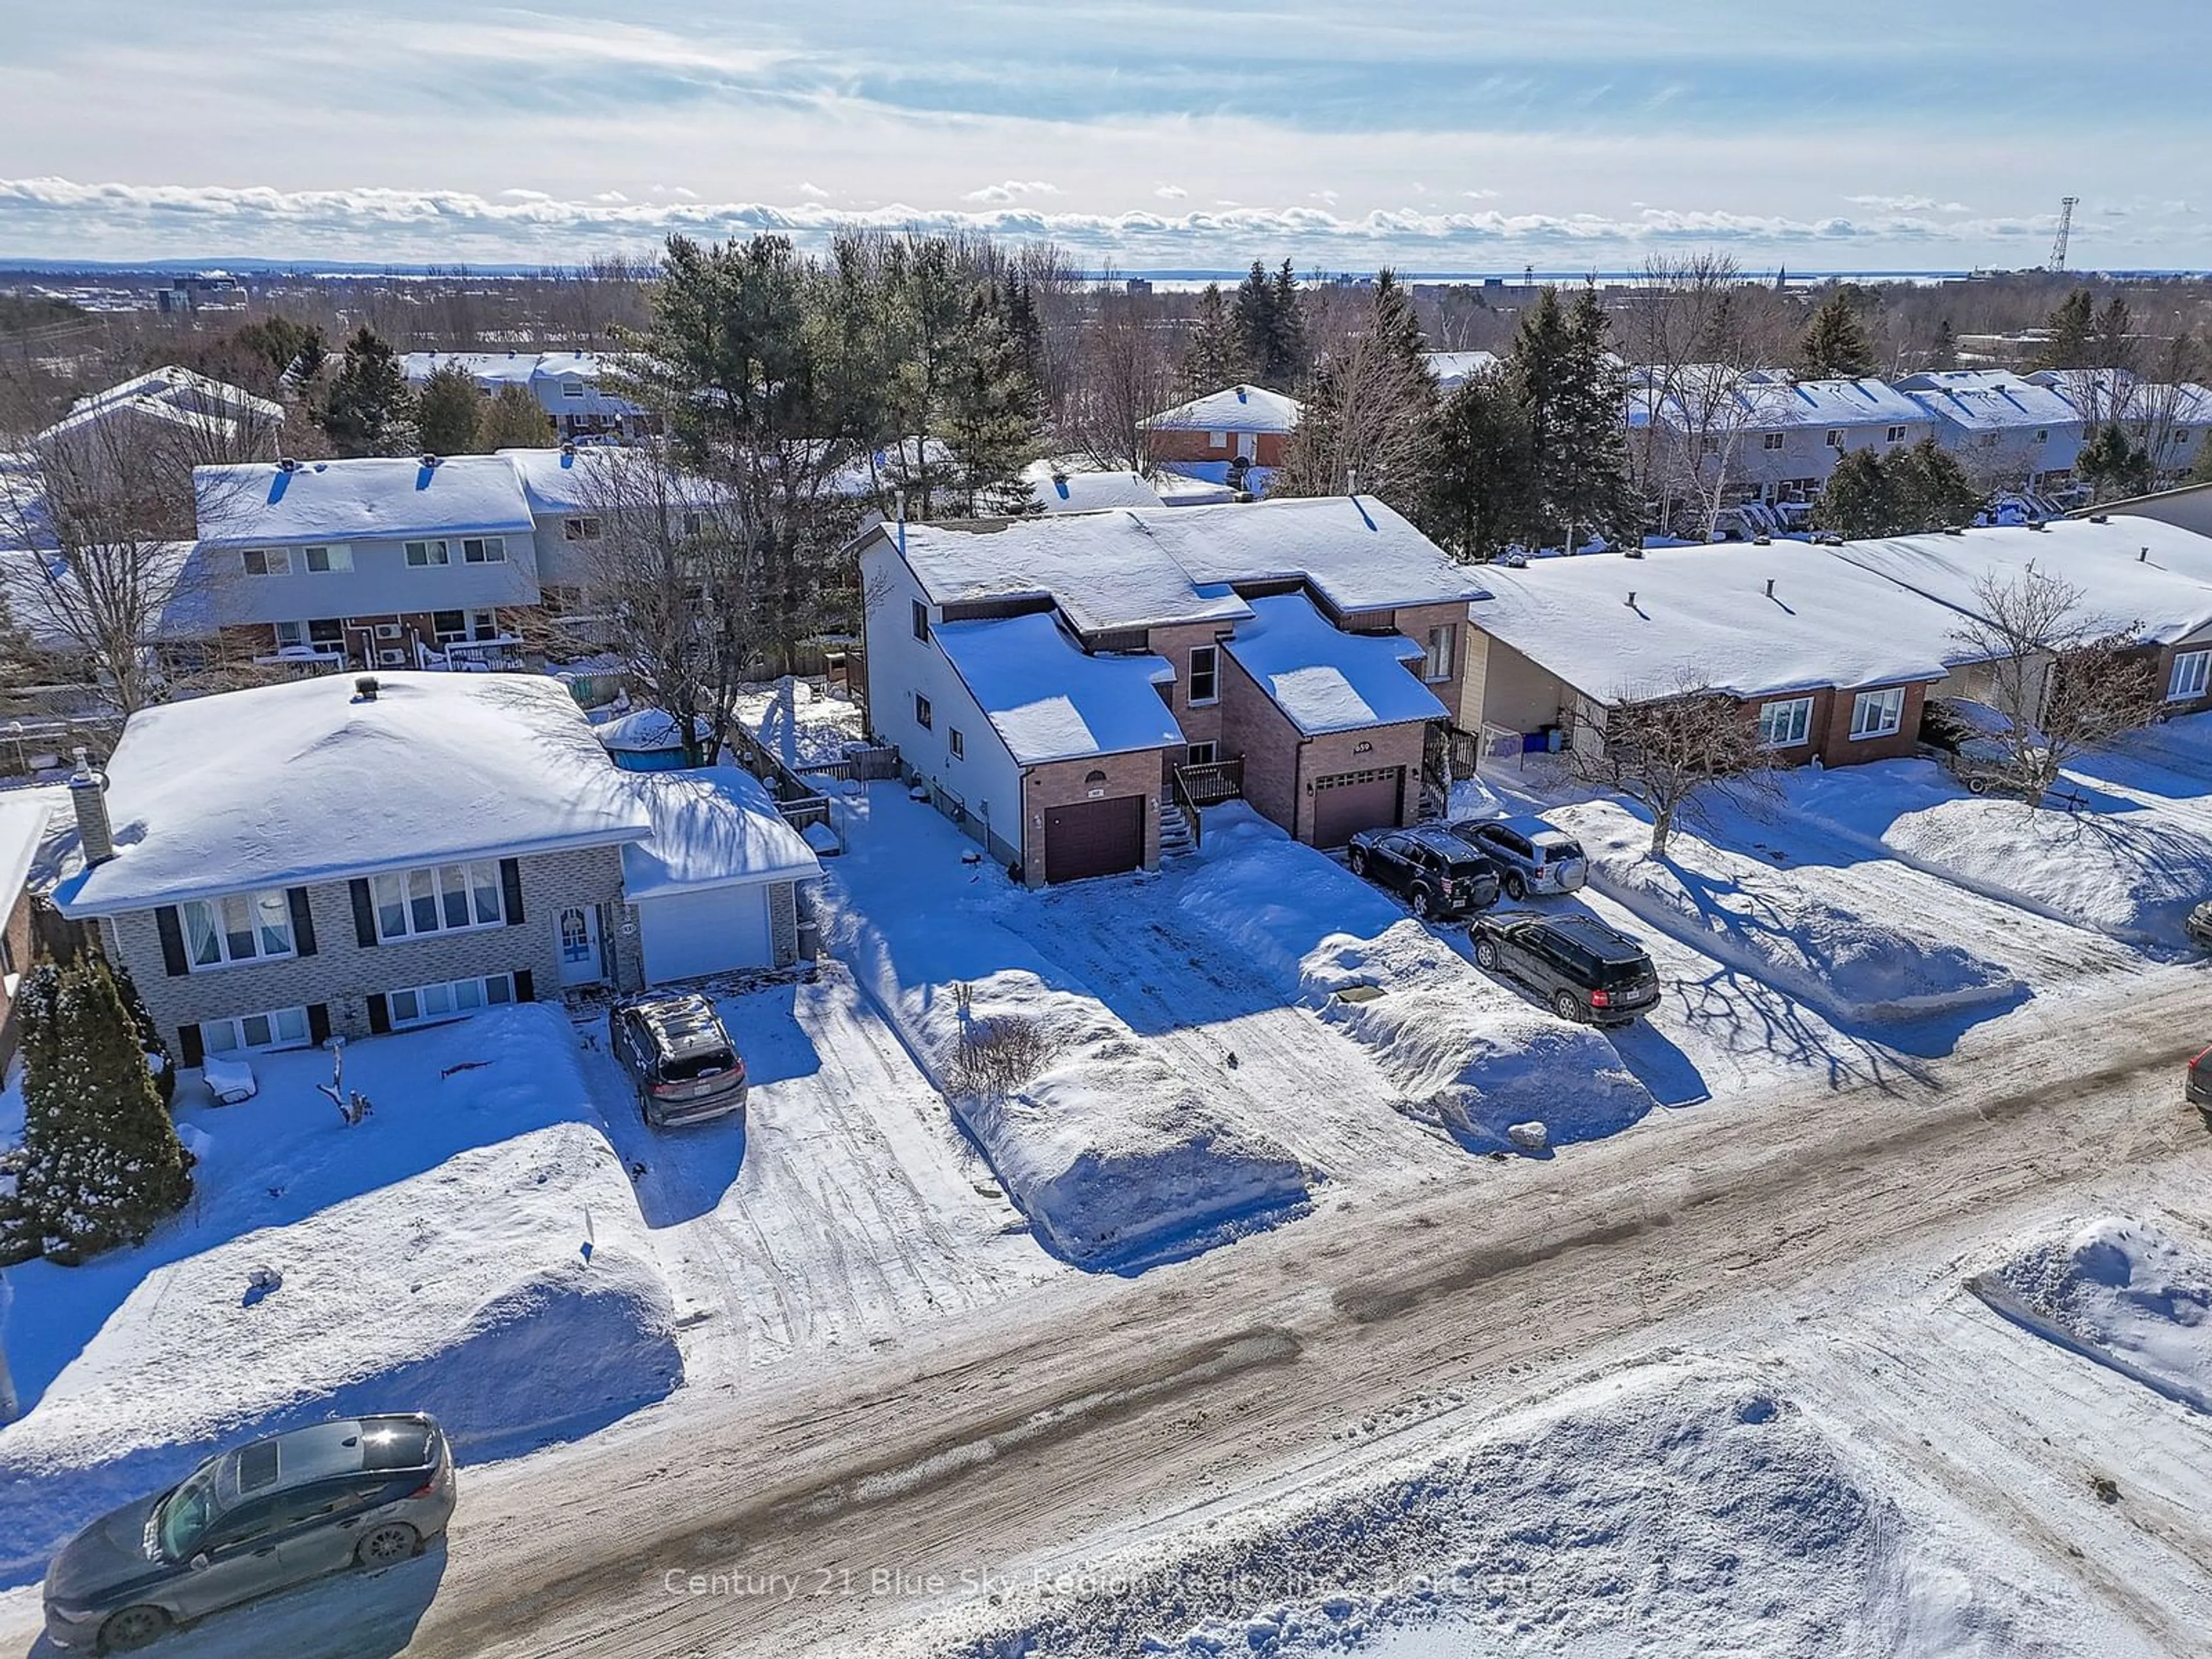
1348,802
714,887
1094,838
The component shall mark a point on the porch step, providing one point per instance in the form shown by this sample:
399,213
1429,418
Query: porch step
1175,838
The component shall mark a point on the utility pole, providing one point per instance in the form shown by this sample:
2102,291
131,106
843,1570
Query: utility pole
2066,206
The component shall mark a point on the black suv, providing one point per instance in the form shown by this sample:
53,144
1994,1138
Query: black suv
1581,967
679,1059
1439,874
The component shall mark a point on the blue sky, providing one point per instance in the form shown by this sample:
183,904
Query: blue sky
1883,134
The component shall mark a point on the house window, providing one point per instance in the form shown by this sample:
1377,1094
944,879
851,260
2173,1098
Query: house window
1217,440
2190,674
455,999
483,625
280,1027
1712,444
2042,437
1771,440
266,561
241,927
580,530
422,555
291,634
922,712
1784,724
1894,436
1199,754
694,524
446,899
572,388
2180,436
450,626
1437,661
959,744
323,560
1835,438
484,550
922,621
326,631
1878,714
1205,674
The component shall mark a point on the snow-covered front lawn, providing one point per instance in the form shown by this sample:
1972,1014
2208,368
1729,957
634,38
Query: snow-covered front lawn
473,1249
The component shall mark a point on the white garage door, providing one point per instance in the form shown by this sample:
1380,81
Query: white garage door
712,931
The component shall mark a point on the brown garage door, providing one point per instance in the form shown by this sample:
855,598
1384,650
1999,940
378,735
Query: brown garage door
1094,838
1354,801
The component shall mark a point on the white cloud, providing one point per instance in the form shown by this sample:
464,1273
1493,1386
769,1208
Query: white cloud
813,193
1169,192
675,193
1908,204
1013,190
1480,195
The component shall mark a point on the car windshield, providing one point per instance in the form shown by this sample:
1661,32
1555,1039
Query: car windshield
184,1515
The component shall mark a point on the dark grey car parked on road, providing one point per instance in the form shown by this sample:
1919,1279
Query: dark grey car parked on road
1531,856
365,1491
679,1059
1583,969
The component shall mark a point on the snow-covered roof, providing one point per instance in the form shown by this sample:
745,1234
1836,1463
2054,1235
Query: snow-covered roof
1356,553
1061,488
1455,369
46,598
217,430
303,782
1232,409
2105,394
28,820
2134,573
1048,701
487,369
1706,396
185,389
712,827
1179,486
1324,680
543,373
1704,613
1106,570
374,498
645,731
1987,399
569,479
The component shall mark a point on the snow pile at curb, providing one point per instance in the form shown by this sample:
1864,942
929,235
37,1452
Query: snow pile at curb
1777,925
1676,1509
1470,1055
1111,1153
396,1272
2123,1293
2133,875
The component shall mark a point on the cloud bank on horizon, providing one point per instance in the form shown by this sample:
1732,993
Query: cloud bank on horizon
1135,132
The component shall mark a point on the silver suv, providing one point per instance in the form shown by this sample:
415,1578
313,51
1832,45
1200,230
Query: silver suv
1531,856
366,1492
679,1059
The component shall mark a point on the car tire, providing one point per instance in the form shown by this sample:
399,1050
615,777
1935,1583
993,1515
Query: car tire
1515,888
1358,859
387,1546
1485,954
1567,1006
1424,907
133,1628
1977,786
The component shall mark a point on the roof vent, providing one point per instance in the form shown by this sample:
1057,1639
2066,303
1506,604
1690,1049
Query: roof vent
1352,481
1770,588
568,452
365,688
1243,394
286,464
427,460
2144,558
1631,598
1955,530
2101,518
1632,552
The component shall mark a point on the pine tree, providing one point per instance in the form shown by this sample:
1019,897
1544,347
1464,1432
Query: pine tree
1570,391
2111,345
991,410
369,411
1944,353
2068,327
101,1164
449,410
1252,317
2202,471
1479,501
1210,358
150,1041
1836,345
1933,491
1859,500
1288,357
2112,465
511,418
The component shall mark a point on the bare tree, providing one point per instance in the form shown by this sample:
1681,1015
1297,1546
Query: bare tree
2065,680
1124,374
1675,748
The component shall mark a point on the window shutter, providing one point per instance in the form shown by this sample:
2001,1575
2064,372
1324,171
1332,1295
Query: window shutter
364,914
190,1045
525,987
379,1013
510,889
172,929
303,921
318,1023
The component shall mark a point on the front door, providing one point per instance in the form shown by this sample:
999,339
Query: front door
580,946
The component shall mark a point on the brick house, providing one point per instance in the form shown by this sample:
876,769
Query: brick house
1070,688
1246,424
281,865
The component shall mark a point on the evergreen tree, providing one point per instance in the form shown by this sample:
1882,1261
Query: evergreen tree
1288,357
1570,392
2112,465
2112,345
2069,328
1836,344
511,418
1945,352
1210,358
1252,317
448,411
1482,493
1370,410
992,410
1913,492
150,1041
101,1163
369,411
2202,471
1859,500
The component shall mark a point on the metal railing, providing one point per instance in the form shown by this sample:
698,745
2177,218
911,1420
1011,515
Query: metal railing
1208,783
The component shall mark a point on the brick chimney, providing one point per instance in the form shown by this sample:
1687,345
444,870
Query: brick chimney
88,795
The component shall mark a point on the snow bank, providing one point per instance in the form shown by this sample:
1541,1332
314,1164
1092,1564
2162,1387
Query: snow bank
1112,1154
1797,928
2123,1293
1676,1509
816,730
1471,1055
2132,874
506,1286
